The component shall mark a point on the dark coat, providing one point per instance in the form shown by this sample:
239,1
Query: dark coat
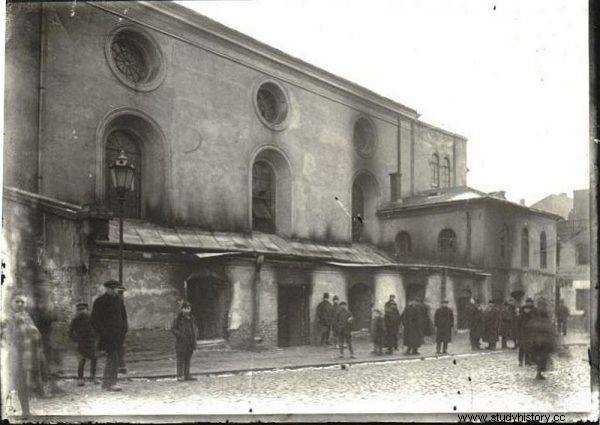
425,319
475,320
413,326
81,331
508,316
522,321
491,324
185,332
109,319
538,334
378,331
324,314
391,316
443,319
562,313
343,322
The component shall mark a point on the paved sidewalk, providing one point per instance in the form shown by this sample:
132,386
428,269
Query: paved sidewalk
206,362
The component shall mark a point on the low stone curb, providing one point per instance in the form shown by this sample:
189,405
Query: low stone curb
322,365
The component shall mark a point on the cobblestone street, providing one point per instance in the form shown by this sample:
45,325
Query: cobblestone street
480,382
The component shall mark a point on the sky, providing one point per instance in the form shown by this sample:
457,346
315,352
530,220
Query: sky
511,76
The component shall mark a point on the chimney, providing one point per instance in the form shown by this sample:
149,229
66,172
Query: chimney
522,202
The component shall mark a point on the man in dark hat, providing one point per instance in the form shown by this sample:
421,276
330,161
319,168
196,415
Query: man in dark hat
324,318
122,367
443,319
109,319
475,322
82,333
185,332
491,325
391,317
413,327
508,317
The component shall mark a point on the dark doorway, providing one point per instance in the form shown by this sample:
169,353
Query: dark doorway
293,320
461,309
209,297
360,300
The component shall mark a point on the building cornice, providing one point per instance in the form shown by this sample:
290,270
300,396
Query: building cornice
251,46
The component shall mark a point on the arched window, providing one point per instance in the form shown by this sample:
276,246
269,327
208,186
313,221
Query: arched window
445,172
117,141
434,164
263,197
503,242
403,244
543,251
525,247
358,212
447,242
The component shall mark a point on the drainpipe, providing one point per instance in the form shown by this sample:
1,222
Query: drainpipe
41,91
255,298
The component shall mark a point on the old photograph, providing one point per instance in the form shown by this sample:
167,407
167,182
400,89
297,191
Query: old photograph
298,210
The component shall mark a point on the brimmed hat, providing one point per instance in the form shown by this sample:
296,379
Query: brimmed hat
81,305
111,284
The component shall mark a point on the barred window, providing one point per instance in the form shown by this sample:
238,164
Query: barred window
263,197
447,242
525,247
543,251
403,244
445,172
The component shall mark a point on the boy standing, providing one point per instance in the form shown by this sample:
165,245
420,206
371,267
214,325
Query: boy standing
185,332
378,332
82,332
344,327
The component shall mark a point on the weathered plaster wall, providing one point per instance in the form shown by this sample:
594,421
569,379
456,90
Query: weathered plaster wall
386,284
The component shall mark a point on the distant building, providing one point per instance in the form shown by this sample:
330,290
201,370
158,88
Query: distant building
574,258
261,181
559,204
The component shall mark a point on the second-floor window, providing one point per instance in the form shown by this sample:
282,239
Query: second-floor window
358,212
543,251
434,165
447,243
445,172
402,244
504,243
263,197
525,247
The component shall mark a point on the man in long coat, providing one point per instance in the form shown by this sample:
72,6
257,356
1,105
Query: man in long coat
562,316
335,308
343,324
324,318
491,325
443,319
475,322
109,320
426,325
413,327
391,317
539,337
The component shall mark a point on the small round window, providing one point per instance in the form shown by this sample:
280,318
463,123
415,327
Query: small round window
135,58
271,105
364,137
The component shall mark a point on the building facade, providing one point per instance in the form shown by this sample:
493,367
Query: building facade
261,180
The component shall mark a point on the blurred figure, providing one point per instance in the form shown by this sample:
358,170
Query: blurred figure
324,318
540,337
425,318
82,333
562,316
185,332
413,327
475,323
392,324
344,327
443,319
526,312
508,316
379,332
491,325
22,354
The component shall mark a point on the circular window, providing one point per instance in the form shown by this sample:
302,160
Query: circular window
271,105
364,137
135,58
